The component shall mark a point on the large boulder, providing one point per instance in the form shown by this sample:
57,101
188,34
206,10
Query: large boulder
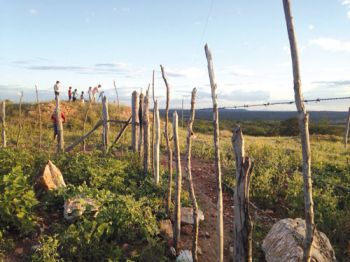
51,178
285,240
187,215
75,207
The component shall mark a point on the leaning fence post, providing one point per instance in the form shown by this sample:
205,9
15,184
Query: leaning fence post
105,116
141,126
156,142
242,226
19,120
153,124
3,123
304,134
168,145
190,180
135,120
178,184
60,137
347,130
146,127
220,218
39,111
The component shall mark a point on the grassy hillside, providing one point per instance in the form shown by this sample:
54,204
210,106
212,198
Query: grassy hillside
116,182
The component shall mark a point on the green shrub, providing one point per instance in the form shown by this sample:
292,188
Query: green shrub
47,250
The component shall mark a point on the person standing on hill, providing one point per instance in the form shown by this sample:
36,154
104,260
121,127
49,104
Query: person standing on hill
56,89
90,94
54,122
82,97
94,92
75,95
70,93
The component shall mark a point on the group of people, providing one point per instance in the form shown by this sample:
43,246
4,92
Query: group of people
73,94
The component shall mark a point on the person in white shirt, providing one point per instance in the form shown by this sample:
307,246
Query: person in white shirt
56,88
94,92
90,94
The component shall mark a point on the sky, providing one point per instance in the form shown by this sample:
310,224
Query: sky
86,43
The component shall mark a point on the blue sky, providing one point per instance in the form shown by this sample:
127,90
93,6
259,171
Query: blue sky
83,43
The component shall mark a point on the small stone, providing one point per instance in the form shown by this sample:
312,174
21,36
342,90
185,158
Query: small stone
231,249
75,207
172,251
166,228
207,235
187,215
51,178
185,256
199,251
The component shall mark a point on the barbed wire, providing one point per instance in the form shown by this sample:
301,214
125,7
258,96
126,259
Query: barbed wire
317,100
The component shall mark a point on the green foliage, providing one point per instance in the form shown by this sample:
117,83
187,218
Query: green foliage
47,250
17,201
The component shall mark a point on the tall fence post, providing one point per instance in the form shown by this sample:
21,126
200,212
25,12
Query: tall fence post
304,135
156,142
190,180
141,126
39,112
3,124
220,218
84,124
105,115
168,145
19,120
153,126
242,223
134,121
178,184
60,137
347,130
146,131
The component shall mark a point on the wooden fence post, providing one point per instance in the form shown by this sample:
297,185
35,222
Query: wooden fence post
190,180
19,120
243,225
146,131
304,134
3,123
105,130
116,91
156,142
135,120
153,128
141,126
347,130
84,123
220,218
39,111
60,137
168,145
178,184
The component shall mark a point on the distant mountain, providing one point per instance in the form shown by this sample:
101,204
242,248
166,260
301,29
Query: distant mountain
242,114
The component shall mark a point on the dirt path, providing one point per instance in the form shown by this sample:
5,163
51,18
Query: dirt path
205,187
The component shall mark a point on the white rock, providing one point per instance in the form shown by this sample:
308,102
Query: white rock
187,215
77,206
185,256
284,242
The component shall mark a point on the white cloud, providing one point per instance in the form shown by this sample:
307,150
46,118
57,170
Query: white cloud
347,4
238,71
311,27
32,11
190,72
331,44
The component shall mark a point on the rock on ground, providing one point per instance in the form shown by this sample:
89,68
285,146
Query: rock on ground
185,256
187,215
285,240
77,206
51,178
166,228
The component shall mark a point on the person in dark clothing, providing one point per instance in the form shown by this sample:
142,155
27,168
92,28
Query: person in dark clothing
54,122
70,93
75,95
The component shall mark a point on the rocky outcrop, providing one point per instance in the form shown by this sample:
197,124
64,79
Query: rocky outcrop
51,178
285,240
187,215
77,206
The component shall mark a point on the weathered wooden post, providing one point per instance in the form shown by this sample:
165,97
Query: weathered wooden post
220,218
190,180
39,112
134,121
304,134
168,145
153,124
3,124
141,126
116,91
84,123
105,117
19,120
242,226
156,142
146,134
60,137
178,184
347,130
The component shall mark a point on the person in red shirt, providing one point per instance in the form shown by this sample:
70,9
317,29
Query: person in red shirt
54,121
70,93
